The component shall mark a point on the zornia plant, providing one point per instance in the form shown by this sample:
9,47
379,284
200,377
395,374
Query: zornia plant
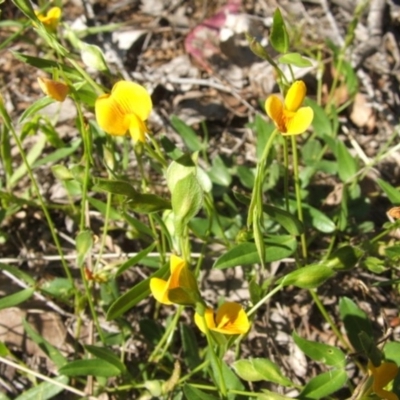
159,326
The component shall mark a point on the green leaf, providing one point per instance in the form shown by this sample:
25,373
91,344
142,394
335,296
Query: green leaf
186,200
107,355
190,346
58,154
321,123
391,350
344,258
93,366
260,369
52,352
16,298
115,187
193,393
134,295
308,277
324,384
179,169
219,173
135,260
61,288
328,355
45,390
347,163
279,37
355,321
318,219
34,153
188,135
289,222
35,107
18,273
392,193
277,248
267,395
147,203
371,350
296,60
84,244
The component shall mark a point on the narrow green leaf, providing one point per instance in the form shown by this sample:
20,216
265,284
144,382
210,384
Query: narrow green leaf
328,355
392,193
268,395
219,173
59,154
53,353
93,366
107,355
318,219
115,187
190,346
134,295
16,298
321,123
45,390
288,221
147,203
277,248
35,107
187,133
296,60
279,37
324,384
260,369
18,273
84,244
347,163
135,260
355,321
193,393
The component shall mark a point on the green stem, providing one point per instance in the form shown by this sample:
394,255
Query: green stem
167,337
263,300
298,194
10,127
286,177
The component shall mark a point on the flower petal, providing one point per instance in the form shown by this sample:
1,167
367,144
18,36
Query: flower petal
209,319
300,121
274,109
137,129
295,95
109,116
54,89
231,319
159,289
133,99
383,374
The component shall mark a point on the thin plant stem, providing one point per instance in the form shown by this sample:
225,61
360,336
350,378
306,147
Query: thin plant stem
263,300
286,177
154,356
10,127
298,194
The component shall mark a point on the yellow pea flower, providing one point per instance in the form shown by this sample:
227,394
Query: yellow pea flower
54,89
51,19
382,375
125,109
230,319
181,284
288,116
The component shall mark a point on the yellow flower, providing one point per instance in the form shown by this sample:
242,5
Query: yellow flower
51,19
125,109
181,285
231,319
54,89
382,375
288,116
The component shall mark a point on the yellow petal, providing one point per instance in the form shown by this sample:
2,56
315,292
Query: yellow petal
274,110
383,374
209,319
137,129
54,13
300,121
133,99
159,289
109,116
176,266
51,19
295,96
231,319
54,89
